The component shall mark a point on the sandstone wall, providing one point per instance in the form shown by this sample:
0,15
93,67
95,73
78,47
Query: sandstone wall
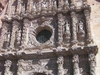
95,26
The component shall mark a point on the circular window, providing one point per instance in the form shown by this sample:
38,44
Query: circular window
43,36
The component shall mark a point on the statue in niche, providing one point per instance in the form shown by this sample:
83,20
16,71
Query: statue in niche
7,68
66,5
66,31
7,39
81,32
44,6
34,9
54,7
7,36
18,37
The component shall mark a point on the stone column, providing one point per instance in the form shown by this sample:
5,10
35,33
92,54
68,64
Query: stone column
7,65
74,25
76,65
92,62
3,32
61,22
60,62
26,23
15,25
87,17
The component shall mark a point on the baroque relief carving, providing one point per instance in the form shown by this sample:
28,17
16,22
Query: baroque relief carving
60,62
31,69
76,65
81,33
7,65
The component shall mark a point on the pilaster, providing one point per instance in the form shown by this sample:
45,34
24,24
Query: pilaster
87,17
3,33
92,62
26,23
60,62
76,65
15,25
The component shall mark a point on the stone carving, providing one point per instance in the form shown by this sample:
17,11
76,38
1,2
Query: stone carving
31,36
76,65
18,37
44,6
7,67
66,5
81,32
28,66
92,63
60,62
61,22
74,29
7,39
87,17
67,33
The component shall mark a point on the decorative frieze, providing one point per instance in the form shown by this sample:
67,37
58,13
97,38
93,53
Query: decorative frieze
28,67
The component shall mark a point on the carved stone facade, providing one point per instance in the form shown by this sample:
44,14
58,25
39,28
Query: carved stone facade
47,37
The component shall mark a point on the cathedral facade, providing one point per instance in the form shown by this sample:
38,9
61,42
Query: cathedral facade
47,37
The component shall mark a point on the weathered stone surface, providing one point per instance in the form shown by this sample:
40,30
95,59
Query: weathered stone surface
94,23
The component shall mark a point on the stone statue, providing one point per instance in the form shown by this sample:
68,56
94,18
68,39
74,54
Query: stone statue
7,67
7,36
7,39
81,32
44,6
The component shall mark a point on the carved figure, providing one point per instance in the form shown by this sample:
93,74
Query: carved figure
81,32
7,68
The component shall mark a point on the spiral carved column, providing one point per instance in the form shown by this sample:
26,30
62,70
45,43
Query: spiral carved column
60,28
74,29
